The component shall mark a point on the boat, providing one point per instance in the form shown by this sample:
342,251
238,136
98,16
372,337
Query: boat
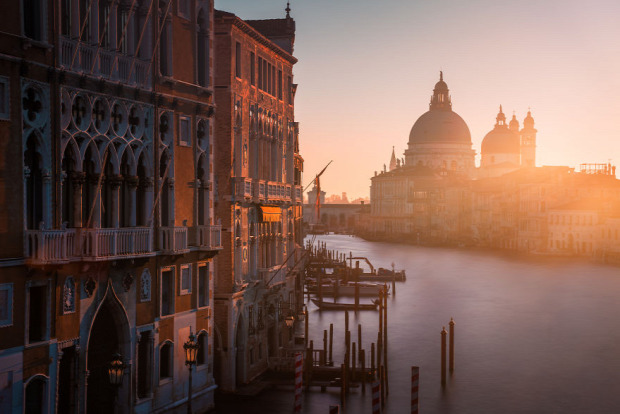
348,289
322,305
384,275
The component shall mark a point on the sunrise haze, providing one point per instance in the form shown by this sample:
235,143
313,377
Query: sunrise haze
366,72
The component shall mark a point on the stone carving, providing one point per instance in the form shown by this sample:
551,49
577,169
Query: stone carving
145,286
68,296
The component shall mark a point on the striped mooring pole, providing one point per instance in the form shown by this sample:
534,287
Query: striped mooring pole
376,397
299,362
415,383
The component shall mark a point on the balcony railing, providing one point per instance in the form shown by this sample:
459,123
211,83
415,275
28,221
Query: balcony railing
207,237
50,246
104,244
298,198
61,246
104,63
173,240
243,188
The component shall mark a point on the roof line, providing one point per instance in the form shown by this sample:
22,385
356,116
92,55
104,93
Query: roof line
246,28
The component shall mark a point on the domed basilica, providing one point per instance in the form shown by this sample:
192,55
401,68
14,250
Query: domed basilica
424,193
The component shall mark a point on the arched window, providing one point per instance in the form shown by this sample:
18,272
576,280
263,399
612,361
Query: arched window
69,177
165,192
202,357
126,206
89,190
35,400
34,183
165,360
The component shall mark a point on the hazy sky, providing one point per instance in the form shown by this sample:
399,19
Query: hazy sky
367,68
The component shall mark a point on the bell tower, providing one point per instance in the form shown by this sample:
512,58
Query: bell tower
528,142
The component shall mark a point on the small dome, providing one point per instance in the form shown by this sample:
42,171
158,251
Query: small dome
440,127
501,140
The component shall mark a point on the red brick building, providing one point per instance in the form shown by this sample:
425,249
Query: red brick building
258,172
107,231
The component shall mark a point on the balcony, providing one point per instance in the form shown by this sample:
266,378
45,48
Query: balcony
206,237
106,244
243,188
50,246
63,246
107,64
298,194
260,190
173,240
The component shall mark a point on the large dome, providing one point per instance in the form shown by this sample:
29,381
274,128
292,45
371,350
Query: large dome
501,141
440,126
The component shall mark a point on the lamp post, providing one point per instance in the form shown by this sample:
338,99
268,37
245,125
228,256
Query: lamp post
191,349
115,374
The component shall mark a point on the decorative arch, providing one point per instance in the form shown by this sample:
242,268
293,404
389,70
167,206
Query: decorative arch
36,394
108,333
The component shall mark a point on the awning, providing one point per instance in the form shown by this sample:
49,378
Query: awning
271,213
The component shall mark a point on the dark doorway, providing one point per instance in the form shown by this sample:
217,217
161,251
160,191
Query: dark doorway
35,396
240,359
102,345
67,384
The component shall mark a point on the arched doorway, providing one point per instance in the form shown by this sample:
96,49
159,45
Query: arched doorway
240,357
109,335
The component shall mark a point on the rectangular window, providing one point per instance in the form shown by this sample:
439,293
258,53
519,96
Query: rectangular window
203,285
5,112
202,356
33,19
260,73
65,17
165,361
6,304
238,59
185,131
37,313
167,291
273,80
269,79
280,85
186,279
252,68
290,91
265,83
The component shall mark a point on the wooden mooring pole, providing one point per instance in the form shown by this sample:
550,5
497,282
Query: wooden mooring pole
443,356
451,324
331,343
364,373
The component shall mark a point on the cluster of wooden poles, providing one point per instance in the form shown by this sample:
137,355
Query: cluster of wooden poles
351,372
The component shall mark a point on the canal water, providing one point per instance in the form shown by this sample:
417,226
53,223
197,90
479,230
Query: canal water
533,334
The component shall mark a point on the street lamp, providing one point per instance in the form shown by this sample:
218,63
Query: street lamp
289,320
191,350
115,374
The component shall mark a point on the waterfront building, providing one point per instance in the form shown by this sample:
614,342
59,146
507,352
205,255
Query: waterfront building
258,168
107,232
437,197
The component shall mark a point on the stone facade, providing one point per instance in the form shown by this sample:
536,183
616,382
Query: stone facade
108,231
258,170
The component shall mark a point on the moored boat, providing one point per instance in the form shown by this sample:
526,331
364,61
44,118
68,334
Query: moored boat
322,305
